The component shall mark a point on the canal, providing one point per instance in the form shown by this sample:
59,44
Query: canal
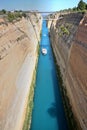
48,111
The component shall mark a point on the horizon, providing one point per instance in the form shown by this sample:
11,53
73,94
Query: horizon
43,6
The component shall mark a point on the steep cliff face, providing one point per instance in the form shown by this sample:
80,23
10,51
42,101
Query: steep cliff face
18,44
69,42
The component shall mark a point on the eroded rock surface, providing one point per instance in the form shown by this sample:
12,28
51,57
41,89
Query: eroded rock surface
18,54
69,41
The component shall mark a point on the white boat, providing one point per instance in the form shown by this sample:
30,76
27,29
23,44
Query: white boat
44,35
44,51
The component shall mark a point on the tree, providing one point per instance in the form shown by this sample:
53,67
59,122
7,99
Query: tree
81,5
74,9
24,15
3,11
86,6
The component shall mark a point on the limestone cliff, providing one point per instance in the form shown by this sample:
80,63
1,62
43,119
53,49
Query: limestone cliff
18,44
69,42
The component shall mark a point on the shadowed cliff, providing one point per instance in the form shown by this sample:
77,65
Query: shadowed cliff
69,42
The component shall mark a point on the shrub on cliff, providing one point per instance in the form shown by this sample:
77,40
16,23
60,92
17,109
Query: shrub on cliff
18,15
64,30
74,9
11,17
24,15
14,16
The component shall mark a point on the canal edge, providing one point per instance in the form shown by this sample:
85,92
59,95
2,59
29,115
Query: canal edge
71,121
29,108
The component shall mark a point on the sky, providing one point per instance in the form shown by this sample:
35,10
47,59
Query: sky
40,5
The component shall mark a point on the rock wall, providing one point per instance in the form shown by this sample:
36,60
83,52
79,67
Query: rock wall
18,54
69,42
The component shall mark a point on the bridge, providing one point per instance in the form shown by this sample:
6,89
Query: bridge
44,13
41,12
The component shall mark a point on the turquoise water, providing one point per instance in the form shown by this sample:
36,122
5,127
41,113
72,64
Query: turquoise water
48,112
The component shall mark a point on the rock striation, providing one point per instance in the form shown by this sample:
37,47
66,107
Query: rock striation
69,42
18,54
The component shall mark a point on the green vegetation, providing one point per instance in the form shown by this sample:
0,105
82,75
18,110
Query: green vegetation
72,123
82,7
28,116
64,30
14,16
3,11
37,21
11,17
24,15
40,33
29,105
17,15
